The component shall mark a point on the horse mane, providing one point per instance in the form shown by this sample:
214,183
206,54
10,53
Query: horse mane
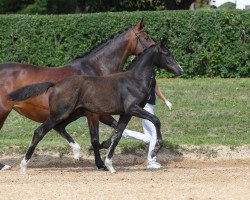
131,65
101,44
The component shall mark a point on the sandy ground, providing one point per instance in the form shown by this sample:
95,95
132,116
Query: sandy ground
184,176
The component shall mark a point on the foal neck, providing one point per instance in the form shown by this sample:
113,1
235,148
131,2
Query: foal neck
143,67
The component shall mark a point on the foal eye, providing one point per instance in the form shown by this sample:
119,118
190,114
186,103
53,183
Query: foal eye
146,38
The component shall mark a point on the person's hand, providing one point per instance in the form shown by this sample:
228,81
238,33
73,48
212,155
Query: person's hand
168,104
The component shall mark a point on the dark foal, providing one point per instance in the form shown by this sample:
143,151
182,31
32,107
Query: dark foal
123,94
106,58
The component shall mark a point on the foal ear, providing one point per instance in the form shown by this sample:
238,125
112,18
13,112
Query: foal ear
139,24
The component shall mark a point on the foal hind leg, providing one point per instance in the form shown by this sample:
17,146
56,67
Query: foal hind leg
122,123
74,145
60,128
39,133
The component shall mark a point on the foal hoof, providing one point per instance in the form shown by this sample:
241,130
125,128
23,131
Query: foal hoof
104,168
108,163
23,171
112,170
6,167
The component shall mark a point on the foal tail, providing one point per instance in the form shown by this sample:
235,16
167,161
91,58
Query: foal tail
29,91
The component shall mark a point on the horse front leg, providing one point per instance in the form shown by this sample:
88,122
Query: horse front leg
122,123
93,122
137,111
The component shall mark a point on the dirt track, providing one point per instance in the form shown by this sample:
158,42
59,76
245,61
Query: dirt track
186,178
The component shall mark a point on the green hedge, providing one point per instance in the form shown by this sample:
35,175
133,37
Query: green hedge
206,43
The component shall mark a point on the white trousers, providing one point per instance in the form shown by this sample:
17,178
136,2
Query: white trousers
149,135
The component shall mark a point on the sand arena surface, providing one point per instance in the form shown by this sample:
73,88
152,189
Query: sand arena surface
51,177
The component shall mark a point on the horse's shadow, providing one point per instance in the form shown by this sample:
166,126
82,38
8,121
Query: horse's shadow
124,161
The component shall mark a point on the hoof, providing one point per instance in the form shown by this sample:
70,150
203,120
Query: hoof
6,167
23,166
104,168
76,150
101,165
108,163
77,160
112,171
23,171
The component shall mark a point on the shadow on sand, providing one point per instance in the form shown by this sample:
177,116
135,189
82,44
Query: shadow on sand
120,160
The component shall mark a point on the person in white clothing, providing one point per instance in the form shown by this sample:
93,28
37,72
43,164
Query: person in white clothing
149,135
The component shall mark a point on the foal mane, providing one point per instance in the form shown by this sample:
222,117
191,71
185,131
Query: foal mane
102,44
135,60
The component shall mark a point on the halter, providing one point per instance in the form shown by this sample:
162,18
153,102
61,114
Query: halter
137,34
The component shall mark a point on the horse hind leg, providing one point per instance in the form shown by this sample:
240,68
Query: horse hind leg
93,123
3,115
4,167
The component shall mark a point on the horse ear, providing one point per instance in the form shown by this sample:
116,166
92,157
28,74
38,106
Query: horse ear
139,24
163,40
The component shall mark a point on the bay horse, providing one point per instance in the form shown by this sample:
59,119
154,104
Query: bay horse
106,58
123,94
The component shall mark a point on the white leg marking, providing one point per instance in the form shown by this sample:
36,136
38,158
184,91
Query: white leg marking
76,150
6,167
108,164
23,166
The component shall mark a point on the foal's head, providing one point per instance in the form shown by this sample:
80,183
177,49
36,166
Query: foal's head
166,60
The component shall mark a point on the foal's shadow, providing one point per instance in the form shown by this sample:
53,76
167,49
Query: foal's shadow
124,161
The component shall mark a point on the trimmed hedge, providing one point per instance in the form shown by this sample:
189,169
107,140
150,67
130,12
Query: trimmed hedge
206,43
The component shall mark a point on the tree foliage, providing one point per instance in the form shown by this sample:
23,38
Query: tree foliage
206,43
228,6
80,6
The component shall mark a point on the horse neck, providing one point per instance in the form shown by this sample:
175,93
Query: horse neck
144,67
109,58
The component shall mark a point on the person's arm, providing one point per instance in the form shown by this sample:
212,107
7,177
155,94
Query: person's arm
159,93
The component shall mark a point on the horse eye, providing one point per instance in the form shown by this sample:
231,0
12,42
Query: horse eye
146,38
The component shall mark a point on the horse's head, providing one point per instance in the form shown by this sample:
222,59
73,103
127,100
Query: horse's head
140,40
166,60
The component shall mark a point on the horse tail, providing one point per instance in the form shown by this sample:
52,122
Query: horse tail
29,91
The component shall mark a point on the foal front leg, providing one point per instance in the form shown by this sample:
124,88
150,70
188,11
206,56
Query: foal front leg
122,123
137,111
